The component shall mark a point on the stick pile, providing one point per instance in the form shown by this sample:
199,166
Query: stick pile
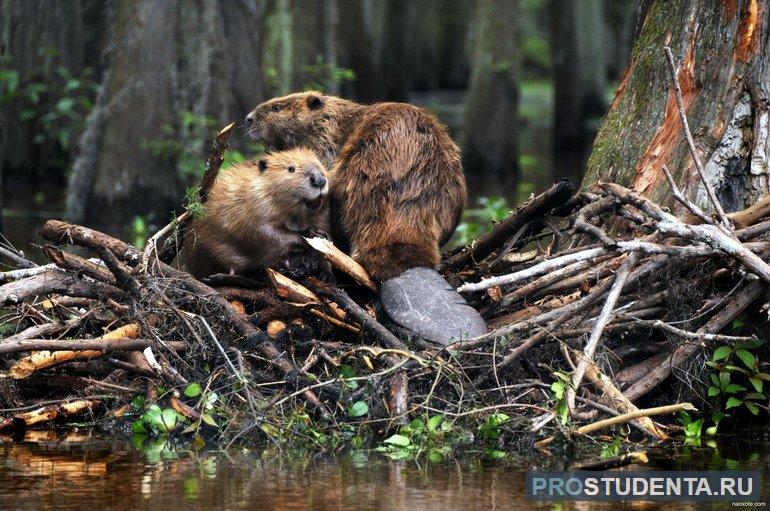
605,285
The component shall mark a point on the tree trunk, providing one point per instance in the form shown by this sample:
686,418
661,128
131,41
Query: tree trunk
36,37
723,55
176,71
127,176
579,57
393,71
357,53
490,146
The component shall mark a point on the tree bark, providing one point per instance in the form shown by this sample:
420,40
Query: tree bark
175,72
723,55
490,145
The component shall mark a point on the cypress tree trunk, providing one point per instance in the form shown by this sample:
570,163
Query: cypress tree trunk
723,55
490,148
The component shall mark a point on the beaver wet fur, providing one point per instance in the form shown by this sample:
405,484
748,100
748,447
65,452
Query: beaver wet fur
257,213
397,188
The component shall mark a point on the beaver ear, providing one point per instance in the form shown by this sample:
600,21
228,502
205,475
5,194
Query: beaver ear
314,102
262,165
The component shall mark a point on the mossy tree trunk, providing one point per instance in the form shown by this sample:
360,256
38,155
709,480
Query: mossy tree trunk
723,55
490,147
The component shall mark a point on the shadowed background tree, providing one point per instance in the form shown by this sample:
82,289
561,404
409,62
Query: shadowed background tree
489,127
112,103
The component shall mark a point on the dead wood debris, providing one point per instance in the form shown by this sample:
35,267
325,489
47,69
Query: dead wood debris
595,302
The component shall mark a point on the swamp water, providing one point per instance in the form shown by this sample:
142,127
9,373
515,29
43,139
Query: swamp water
78,471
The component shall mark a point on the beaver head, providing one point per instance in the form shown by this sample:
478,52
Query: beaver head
293,180
310,119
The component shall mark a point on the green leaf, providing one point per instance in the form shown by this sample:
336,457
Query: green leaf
495,454
138,427
756,396
169,418
711,431
713,391
747,358
208,419
734,388
398,440
435,456
138,402
434,422
358,409
557,388
756,383
562,411
714,379
733,402
65,105
721,352
192,390
754,409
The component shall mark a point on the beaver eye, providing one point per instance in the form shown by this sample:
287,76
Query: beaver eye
275,108
292,168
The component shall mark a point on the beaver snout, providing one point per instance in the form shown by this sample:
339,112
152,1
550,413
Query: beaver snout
317,179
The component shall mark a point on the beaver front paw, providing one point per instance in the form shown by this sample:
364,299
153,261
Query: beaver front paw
305,265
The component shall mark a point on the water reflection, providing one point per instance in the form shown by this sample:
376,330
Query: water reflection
80,471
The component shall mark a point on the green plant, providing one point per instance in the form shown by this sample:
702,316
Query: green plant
50,100
321,73
192,202
479,220
611,449
425,435
139,231
734,368
491,429
558,388
157,421
692,428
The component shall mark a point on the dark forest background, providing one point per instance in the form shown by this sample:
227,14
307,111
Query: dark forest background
107,107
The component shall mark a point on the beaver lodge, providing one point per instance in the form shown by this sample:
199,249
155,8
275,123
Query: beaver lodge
604,311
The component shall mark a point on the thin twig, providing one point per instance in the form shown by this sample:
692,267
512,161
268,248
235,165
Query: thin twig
691,142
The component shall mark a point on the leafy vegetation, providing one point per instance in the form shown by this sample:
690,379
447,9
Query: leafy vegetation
427,436
737,380
479,220
51,101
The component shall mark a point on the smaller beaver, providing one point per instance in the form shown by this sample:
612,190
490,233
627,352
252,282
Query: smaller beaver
257,213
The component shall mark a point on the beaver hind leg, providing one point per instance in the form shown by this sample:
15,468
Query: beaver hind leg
421,300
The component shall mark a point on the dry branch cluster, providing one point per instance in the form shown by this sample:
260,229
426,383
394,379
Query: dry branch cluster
560,285
606,285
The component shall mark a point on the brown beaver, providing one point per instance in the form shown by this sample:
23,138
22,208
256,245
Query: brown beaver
397,193
257,213
397,184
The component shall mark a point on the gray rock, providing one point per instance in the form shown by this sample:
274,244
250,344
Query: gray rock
421,300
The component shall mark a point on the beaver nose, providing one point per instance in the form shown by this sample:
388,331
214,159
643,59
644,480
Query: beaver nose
317,180
250,118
